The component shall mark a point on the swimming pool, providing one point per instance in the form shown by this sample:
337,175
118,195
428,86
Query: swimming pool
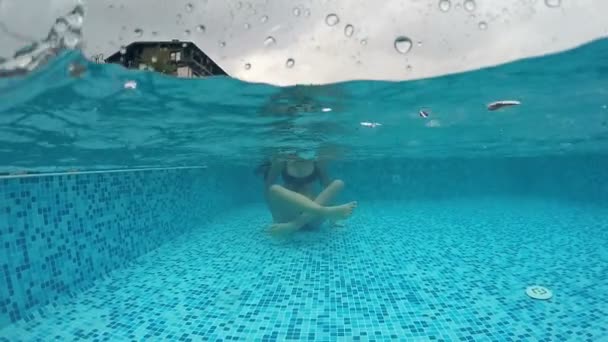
133,213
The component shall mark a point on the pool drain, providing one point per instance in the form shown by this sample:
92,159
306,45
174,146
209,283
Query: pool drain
539,292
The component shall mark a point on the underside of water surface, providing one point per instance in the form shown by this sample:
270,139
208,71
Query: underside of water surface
52,121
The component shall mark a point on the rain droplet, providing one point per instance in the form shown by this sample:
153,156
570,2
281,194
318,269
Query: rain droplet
332,20
222,44
201,28
553,3
138,32
264,19
403,44
349,30
469,5
408,68
296,11
483,25
419,43
246,26
290,63
307,12
189,7
445,5
187,32
269,41
247,66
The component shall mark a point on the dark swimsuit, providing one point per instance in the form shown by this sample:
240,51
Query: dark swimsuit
300,181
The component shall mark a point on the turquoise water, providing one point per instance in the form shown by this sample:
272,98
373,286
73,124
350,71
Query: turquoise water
52,121
459,212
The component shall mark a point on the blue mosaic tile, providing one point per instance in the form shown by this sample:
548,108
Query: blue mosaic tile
427,270
571,178
60,233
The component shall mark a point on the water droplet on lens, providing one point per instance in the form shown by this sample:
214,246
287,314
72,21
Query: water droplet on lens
332,20
201,28
553,3
470,5
264,19
483,25
349,30
189,7
269,41
138,32
290,63
403,44
247,66
246,26
154,59
445,5
296,11
123,49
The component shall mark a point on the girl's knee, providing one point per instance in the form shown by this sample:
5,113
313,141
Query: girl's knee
338,184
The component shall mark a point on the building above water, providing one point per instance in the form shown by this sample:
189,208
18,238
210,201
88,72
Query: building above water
178,58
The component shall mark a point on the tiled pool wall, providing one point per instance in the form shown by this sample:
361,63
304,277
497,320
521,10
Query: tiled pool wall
568,178
60,233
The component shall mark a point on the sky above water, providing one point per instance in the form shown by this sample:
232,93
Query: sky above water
327,40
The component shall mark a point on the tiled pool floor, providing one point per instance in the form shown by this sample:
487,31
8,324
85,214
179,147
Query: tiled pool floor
397,271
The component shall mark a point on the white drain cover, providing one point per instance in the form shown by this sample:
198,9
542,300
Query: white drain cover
539,292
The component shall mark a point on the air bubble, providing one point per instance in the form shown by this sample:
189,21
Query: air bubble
71,40
470,5
297,11
269,41
553,3
264,19
290,63
445,5
483,25
247,66
332,20
138,32
189,7
201,28
349,30
403,44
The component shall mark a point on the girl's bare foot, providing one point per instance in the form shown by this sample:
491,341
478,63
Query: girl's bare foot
282,228
340,212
